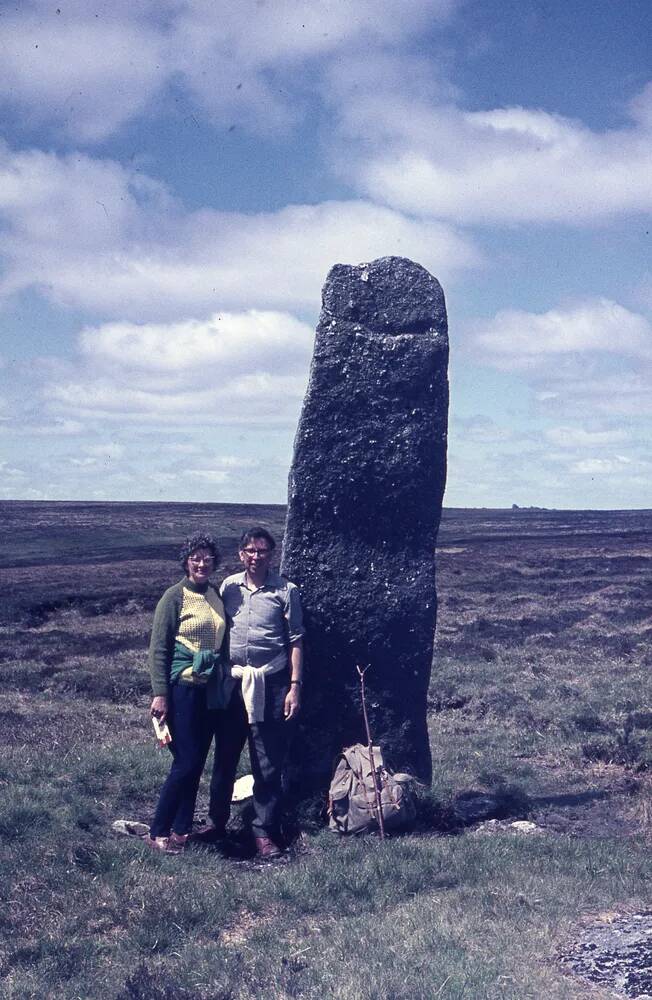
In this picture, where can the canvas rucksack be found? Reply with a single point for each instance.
(352, 804)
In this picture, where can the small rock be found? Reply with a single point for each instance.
(524, 826)
(129, 828)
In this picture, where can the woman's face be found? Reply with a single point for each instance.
(201, 564)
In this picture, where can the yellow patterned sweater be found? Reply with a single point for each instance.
(190, 615)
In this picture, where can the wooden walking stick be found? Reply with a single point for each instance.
(379, 806)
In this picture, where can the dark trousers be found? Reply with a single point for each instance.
(267, 747)
(192, 726)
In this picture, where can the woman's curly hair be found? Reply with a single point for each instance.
(194, 542)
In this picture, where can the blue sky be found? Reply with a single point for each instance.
(177, 177)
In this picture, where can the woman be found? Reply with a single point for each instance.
(185, 667)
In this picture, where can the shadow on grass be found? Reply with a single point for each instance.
(435, 814)
(470, 807)
(570, 798)
(142, 984)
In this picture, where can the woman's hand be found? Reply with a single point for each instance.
(159, 707)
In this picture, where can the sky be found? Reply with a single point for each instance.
(177, 177)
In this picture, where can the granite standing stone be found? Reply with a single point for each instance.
(365, 495)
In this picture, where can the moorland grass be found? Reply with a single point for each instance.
(472, 915)
(469, 916)
(515, 711)
(540, 696)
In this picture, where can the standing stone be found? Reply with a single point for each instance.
(365, 494)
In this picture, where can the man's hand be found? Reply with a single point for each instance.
(292, 702)
(159, 708)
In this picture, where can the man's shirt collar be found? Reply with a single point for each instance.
(271, 580)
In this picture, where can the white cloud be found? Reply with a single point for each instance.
(52, 427)
(601, 466)
(625, 394)
(526, 471)
(108, 451)
(234, 461)
(578, 437)
(479, 428)
(366, 93)
(242, 61)
(586, 364)
(515, 340)
(406, 142)
(183, 448)
(229, 341)
(641, 107)
(70, 214)
(261, 398)
(503, 165)
(93, 235)
(209, 475)
(182, 356)
(229, 469)
(8, 471)
(230, 370)
(247, 368)
(57, 427)
(88, 70)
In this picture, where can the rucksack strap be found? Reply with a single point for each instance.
(359, 759)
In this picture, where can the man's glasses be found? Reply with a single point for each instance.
(257, 552)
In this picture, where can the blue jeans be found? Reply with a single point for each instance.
(192, 726)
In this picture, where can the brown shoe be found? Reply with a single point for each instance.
(177, 842)
(161, 844)
(208, 834)
(266, 848)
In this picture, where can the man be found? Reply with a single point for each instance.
(263, 611)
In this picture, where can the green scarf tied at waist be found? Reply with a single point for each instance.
(205, 667)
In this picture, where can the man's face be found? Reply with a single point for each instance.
(256, 556)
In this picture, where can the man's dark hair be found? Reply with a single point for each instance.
(194, 542)
(257, 532)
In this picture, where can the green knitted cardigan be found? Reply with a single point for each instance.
(165, 629)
